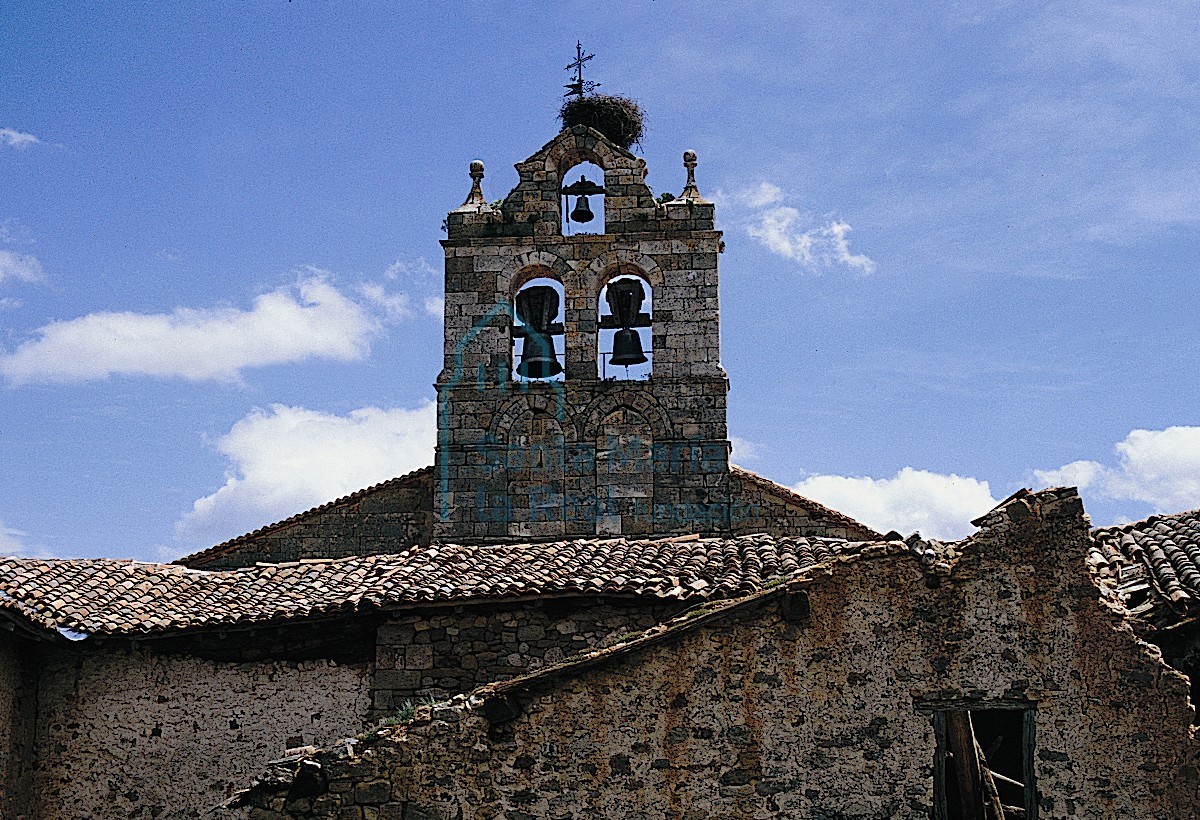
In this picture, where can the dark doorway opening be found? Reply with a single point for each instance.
(983, 766)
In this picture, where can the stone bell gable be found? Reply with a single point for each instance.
(586, 454)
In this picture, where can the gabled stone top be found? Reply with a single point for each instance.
(532, 208)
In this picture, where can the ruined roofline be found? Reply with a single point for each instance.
(1151, 568)
(226, 547)
(500, 702)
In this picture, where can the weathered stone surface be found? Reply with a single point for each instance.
(746, 714)
(18, 712)
(130, 734)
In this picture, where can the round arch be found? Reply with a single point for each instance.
(636, 399)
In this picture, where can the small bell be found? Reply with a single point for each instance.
(627, 348)
(581, 212)
(537, 356)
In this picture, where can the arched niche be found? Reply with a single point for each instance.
(524, 343)
(535, 469)
(586, 180)
(624, 474)
(639, 336)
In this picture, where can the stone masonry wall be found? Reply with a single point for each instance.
(138, 734)
(442, 654)
(759, 505)
(482, 413)
(386, 518)
(814, 700)
(17, 715)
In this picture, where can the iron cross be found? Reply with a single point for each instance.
(580, 86)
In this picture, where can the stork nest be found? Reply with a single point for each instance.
(620, 119)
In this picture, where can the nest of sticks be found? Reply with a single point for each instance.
(618, 118)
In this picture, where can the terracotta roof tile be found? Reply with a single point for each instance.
(108, 597)
(1151, 567)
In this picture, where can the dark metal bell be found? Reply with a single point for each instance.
(537, 356)
(627, 348)
(581, 212)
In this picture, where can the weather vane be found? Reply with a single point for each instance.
(580, 86)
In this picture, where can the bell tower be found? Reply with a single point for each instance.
(582, 392)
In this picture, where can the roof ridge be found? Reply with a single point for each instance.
(786, 493)
(225, 547)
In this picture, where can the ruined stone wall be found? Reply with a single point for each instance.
(823, 713)
(18, 709)
(139, 734)
(425, 655)
(390, 517)
(758, 505)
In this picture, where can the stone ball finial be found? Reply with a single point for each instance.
(476, 168)
(689, 157)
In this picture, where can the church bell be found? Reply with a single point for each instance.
(627, 348)
(536, 308)
(581, 211)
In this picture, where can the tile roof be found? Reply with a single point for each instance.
(107, 597)
(1151, 567)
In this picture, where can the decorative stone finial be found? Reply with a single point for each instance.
(690, 191)
(476, 195)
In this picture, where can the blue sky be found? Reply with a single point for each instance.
(961, 245)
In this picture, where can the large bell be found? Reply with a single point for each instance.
(581, 212)
(627, 348)
(537, 356)
(536, 308)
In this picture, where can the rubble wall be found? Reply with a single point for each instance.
(807, 703)
(444, 653)
(757, 504)
(139, 734)
(18, 710)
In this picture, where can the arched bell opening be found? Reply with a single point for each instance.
(624, 344)
(582, 194)
(538, 345)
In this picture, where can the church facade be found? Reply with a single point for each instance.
(581, 551)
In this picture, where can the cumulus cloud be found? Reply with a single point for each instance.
(16, 543)
(288, 459)
(935, 504)
(1157, 467)
(19, 266)
(793, 234)
(17, 139)
(290, 324)
(743, 449)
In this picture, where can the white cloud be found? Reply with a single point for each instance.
(288, 459)
(743, 448)
(17, 139)
(312, 320)
(417, 270)
(16, 543)
(937, 505)
(395, 306)
(791, 233)
(1158, 467)
(435, 306)
(20, 266)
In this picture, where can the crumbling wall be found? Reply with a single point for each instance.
(18, 711)
(812, 700)
(139, 734)
(389, 517)
(444, 653)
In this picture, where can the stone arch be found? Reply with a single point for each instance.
(525, 406)
(632, 397)
(535, 467)
(617, 262)
(568, 152)
(524, 267)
